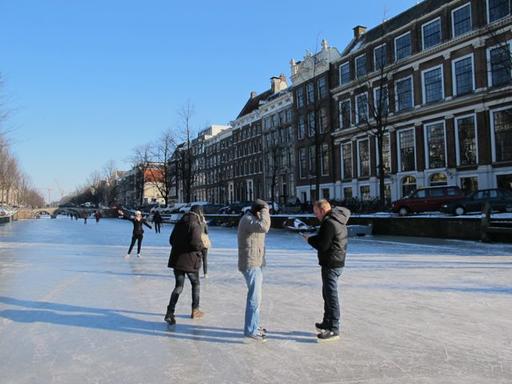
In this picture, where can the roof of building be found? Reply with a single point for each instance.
(254, 102)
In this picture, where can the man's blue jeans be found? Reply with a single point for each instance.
(330, 294)
(254, 281)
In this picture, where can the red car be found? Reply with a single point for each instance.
(427, 199)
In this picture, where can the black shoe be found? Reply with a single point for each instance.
(327, 335)
(169, 317)
(321, 326)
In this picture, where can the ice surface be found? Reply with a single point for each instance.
(72, 310)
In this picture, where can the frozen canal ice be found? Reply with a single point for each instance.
(72, 310)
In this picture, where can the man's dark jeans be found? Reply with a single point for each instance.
(180, 282)
(330, 294)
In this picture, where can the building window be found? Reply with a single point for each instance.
(408, 185)
(300, 97)
(361, 69)
(407, 150)
(302, 163)
(403, 47)
(466, 141)
(310, 93)
(500, 65)
(380, 57)
(504, 181)
(386, 154)
(345, 114)
(301, 128)
(347, 193)
(433, 88)
(404, 94)
(346, 156)
(322, 87)
(461, 20)
(324, 121)
(438, 180)
(463, 74)
(363, 151)
(469, 184)
(325, 160)
(312, 160)
(364, 192)
(362, 108)
(431, 33)
(381, 101)
(344, 73)
(311, 124)
(502, 121)
(497, 9)
(435, 142)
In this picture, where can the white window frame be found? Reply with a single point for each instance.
(395, 48)
(322, 159)
(356, 66)
(425, 139)
(413, 129)
(359, 156)
(424, 94)
(454, 77)
(468, 4)
(357, 108)
(457, 142)
(489, 13)
(493, 130)
(423, 32)
(410, 77)
(375, 89)
(377, 151)
(351, 158)
(350, 112)
(301, 176)
(375, 57)
(359, 190)
(341, 66)
(489, 69)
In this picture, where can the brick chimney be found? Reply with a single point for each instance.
(359, 30)
(277, 84)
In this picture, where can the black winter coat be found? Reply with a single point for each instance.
(186, 244)
(137, 225)
(331, 239)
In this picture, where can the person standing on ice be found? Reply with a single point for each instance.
(138, 231)
(331, 244)
(157, 220)
(251, 259)
(186, 254)
(206, 240)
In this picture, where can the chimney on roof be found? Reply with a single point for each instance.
(359, 30)
(277, 84)
(253, 94)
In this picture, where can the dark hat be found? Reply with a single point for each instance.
(197, 209)
(258, 205)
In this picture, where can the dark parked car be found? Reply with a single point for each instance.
(500, 200)
(427, 199)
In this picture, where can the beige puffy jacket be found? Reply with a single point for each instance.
(251, 239)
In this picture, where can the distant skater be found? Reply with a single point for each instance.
(97, 216)
(206, 240)
(138, 231)
(185, 259)
(157, 221)
(84, 215)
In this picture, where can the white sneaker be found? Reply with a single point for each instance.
(139, 255)
(205, 276)
(127, 256)
(259, 338)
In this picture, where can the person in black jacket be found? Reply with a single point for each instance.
(157, 220)
(331, 244)
(185, 259)
(138, 231)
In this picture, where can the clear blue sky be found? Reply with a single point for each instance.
(88, 80)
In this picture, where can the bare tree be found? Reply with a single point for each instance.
(161, 171)
(185, 161)
(141, 160)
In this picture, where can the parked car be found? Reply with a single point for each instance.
(427, 199)
(233, 208)
(500, 200)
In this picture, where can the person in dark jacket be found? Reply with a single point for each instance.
(185, 259)
(199, 211)
(331, 244)
(157, 221)
(138, 231)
